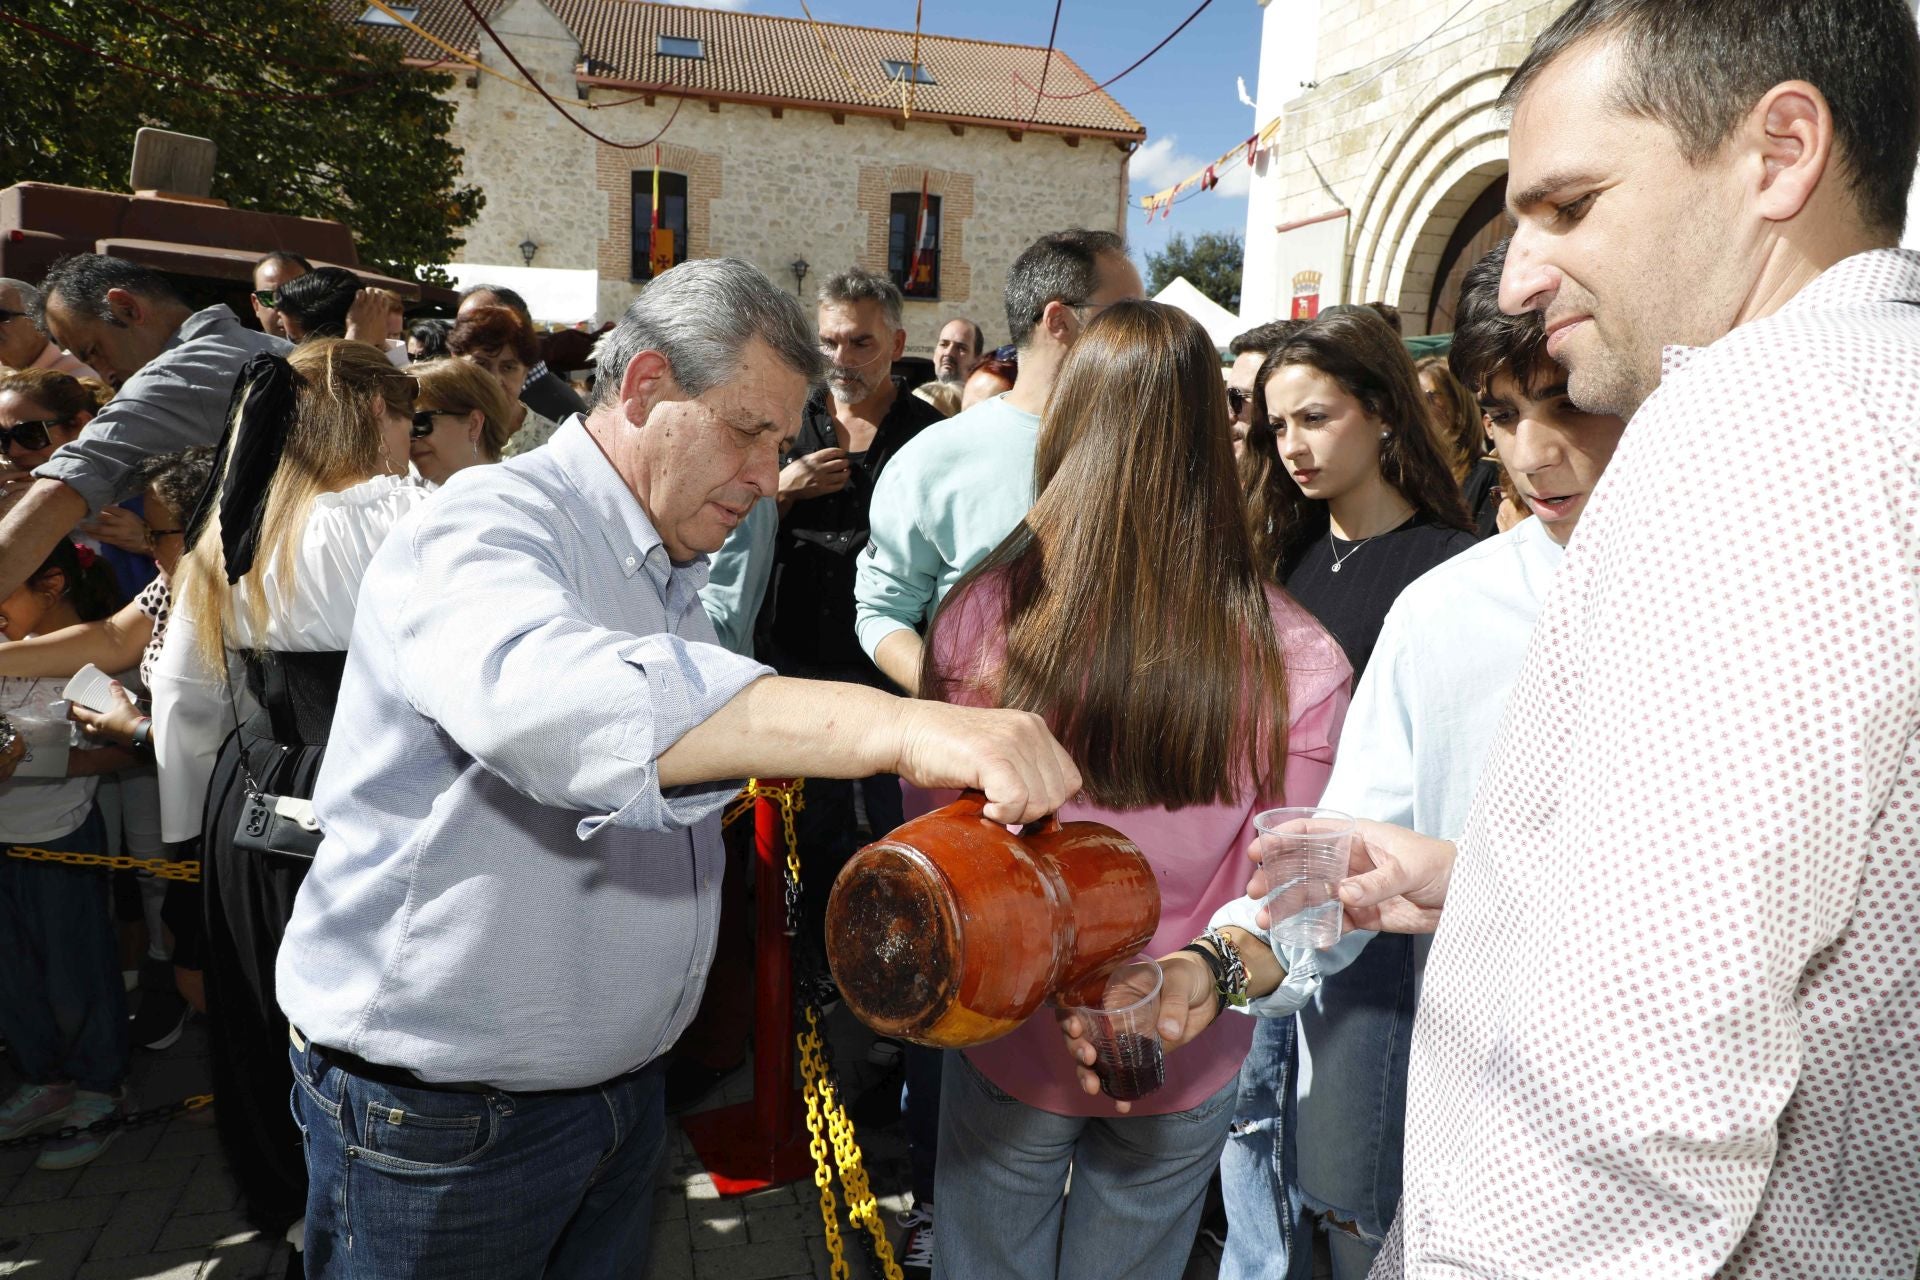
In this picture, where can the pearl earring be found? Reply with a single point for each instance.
(1385, 434)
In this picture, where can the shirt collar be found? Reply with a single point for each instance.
(1878, 275)
(631, 538)
(201, 323)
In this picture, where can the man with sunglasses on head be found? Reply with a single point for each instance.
(22, 346)
(269, 274)
(173, 371)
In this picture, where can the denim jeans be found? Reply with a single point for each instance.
(63, 1007)
(1265, 1235)
(1004, 1206)
(434, 1184)
(1352, 1113)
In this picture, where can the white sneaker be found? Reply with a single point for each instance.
(33, 1107)
(916, 1248)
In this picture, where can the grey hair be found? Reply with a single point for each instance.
(701, 315)
(28, 295)
(856, 284)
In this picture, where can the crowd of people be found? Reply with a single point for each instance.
(442, 668)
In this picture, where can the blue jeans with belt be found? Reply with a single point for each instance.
(437, 1183)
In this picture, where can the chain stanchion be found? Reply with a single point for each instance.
(163, 868)
(131, 1120)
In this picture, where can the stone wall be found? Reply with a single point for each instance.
(1404, 143)
(768, 188)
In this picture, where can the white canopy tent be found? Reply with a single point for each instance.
(554, 296)
(1221, 324)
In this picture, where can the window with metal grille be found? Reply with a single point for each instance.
(903, 233)
(673, 217)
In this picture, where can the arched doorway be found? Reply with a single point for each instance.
(1481, 227)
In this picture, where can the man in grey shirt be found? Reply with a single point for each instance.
(516, 905)
(173, 372)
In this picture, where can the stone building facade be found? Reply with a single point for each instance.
(776, 178)
(1387, 178)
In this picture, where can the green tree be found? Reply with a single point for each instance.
(314, 114)
(1210, 262)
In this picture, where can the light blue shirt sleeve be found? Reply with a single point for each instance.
(738, 575)
(574, 716)
(898, 576)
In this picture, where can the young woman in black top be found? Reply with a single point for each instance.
(1348, 495)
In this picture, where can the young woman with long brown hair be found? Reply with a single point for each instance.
(1130, 610)
(1350, 498)
(311, 477)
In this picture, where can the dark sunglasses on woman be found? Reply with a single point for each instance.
(423, 423)
(29, 435)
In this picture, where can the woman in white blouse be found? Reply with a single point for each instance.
(312, 475)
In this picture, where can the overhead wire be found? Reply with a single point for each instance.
(554, 102)
(1040, 89)
(1229, 157)
(833, 57)
(1046, 64)
(913, 66)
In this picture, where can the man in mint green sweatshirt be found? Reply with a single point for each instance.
(951, 495)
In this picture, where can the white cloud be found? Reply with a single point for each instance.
(1161, 163)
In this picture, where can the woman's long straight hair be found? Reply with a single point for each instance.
(1356, 348)
(333, 441)
(1136, 620)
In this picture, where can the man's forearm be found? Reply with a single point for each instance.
(780, 727)
(898, 656)
(34, 527)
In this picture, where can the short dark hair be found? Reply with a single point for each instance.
(493, 329)
(83, 279)
(506, 297)
(1698, 66)
(1264, 338)
(281, 255)
(1487, 342)
(319, 300)
(979, 334)
(1388, 312)
(1061, 267)
(432, 336)
(179, 478)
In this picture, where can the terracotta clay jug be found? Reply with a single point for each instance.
(953, 930)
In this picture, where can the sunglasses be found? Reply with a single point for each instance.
(1237, 400)
(423, 423)
(29, 435)
(268, 298)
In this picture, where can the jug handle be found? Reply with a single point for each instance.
(974, 803)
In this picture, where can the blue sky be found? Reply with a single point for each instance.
(1186, 94)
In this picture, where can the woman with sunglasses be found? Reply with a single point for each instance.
(460, 419)
(311, 477)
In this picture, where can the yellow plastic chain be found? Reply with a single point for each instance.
(187, 872)
(828, 1125)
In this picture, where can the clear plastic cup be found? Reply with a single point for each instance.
(1304, 853)
(1122, 1020)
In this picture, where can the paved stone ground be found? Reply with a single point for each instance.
(159, 1201)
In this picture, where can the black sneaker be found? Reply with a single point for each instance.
(916, 1247)
(161, 1018)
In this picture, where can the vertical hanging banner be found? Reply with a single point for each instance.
(660, 242)
(920, 270)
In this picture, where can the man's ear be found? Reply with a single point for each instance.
(1060, 322)
(648, 380)
(1787, 143)
(899, 343)
(125, 309)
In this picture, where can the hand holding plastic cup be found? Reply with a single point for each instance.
(1120, 1012)
(1303, 855)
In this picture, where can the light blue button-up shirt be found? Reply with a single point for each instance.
(505, 895)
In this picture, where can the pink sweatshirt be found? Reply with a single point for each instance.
(1199, 854)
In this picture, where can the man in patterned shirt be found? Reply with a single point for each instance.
(1671, 1027)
